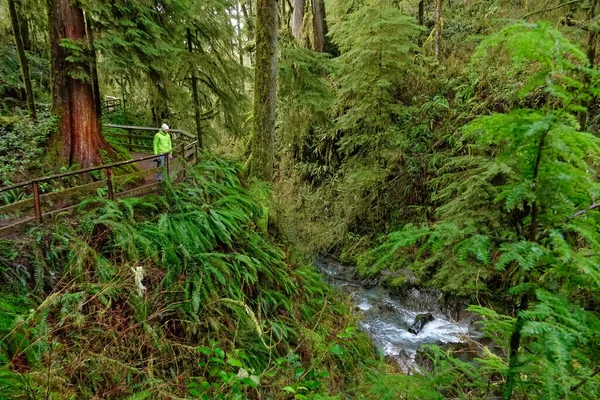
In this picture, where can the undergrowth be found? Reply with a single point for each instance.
(172, 296)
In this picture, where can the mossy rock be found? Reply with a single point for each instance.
(398, 284)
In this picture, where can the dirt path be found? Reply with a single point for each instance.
(145, 164)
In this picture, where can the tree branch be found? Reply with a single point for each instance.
(592, 207)
(584, 380)
(551, 8)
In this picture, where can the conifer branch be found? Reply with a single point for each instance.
(581, 212)
(543, 10)
(584, 380)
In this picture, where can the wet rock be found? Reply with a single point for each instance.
(423, 299)
(424, 360)
(385, 306)
(398, 285)
(420, 321)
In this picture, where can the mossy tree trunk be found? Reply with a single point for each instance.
(438, 28)
(23, 21)
(240, 42)
(298, 18)
(249, 16)
(158, 97)
(265, 79)
(93, 66)
(319, 25)
(16, 26)
(592, 41)
(79, 137)
(195, 92)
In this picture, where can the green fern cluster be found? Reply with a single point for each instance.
(209, 274)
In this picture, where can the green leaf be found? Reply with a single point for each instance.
(337, 350)
(289, 389)
(235, 362)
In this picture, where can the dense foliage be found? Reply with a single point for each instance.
(448, 146)
(221, 311)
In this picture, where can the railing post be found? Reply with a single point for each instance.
(167, 164)
(183, 161)
(195, 153)
(109, 183)
(36, 201)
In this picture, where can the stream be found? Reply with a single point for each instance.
(386, 318)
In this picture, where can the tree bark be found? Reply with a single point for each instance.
(158, 97)
(248, 16)
(319, 25)
(421, 12)
(238, 21)
(93, 67)
(298, 18)
(22, 16)
(79, 137)
(195, 93)
(591, 55)
(438, 29)
(515, 344)
(515, 337)
(14, 19)
(265, 79)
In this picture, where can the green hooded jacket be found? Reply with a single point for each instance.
(162, 143)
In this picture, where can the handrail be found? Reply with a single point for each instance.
(179, 147)
(79, 171)
(148, 128)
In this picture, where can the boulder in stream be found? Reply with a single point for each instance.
(420, 321)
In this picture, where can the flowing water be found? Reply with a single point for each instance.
(386, 318)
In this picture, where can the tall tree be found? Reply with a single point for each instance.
(238, 31)
(592, 41)
(16, 26)
(249, 16)
(79, 138)
(438, 28)
(319, 25)
(24, 25)
(298, 17)
(93, 66)
(265, 80)
(195, 92)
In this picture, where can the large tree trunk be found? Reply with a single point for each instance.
(14, 19)
(421, 12)
(265, 79)
(238, 22)
(298, 18)
(79, 138)
(319, 25)
(22, 16)
(248, 16)
(591, 55)
(158, 98)
(93, 67)
(438, 28)
(195, 92)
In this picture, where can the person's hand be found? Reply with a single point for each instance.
(170, 156)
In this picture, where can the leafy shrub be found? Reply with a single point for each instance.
(22, 144)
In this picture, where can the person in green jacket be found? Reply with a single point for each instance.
(162, 144)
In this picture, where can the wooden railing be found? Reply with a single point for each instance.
(136, 139)
(112, 104)
(184, 152)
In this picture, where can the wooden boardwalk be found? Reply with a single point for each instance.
(33, 202)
